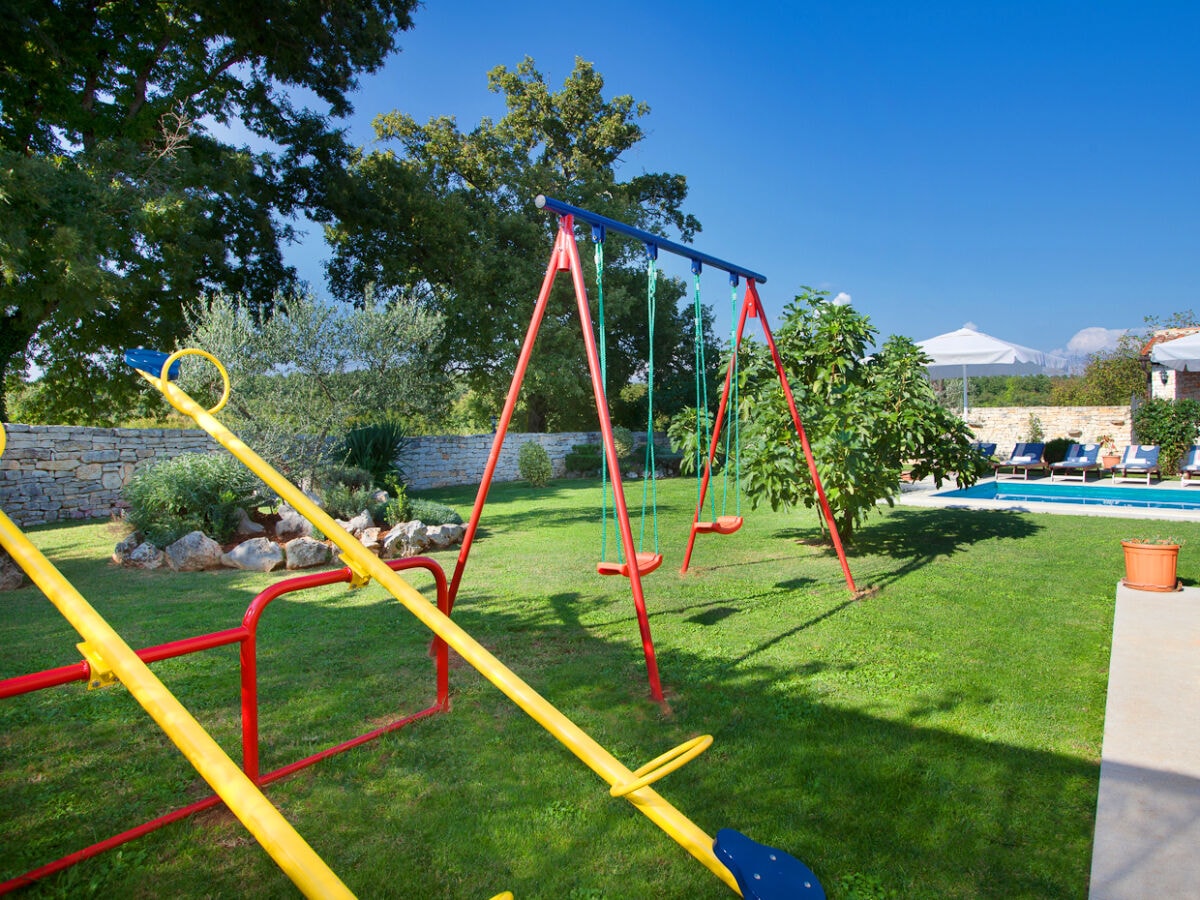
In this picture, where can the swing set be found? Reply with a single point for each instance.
(751, 869)
(633, 560)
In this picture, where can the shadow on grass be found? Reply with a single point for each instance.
(926, 811)
(917, 537)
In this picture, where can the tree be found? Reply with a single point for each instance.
(868, 418)
(119, 200)
(458, 230)
(313, 370)
(1110, 377)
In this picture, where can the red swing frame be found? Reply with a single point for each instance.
(752, 308)
(565, 258)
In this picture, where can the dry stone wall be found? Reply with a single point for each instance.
(444, 460)
(49, 472)
(1007, 425)
(53, 472)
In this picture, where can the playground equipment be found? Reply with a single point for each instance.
(566, 256)
(109, 658)
(246, 637)
(646, 562)
(745, 867)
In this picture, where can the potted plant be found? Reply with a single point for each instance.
(1108, 450)
(1150, 563)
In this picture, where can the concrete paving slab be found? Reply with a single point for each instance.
(1147, 841)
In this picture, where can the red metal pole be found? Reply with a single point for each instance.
(246, 636)
(712, 450)
(752, 291)
(558, 262)
(610, 452)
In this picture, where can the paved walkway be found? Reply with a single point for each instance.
(1148, 815)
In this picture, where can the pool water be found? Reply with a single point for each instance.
(1083, 494)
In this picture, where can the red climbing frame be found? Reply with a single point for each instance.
(565, 258)
(246, 636)
(752, 308)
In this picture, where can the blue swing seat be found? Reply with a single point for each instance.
(764, 873)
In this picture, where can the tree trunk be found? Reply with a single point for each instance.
(13, 341)
(537, 413)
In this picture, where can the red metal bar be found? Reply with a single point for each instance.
(565, 256)
(82, 671)
(246, 636)
(610, 452)
(752, 291)
(712, 450)
(558, 262)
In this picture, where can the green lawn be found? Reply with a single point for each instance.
(939, 738)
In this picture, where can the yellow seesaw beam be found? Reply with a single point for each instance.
(108, 653)
(365, 564)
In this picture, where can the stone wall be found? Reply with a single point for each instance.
(1007, 425)
(52, 472)
(430, 462)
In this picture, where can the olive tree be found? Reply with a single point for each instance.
(314, 369)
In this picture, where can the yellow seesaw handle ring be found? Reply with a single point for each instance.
(195, 351)
(663, 765)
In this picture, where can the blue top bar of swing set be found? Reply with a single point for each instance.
(652, 240)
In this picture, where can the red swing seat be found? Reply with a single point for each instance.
(646, 563)
(722, 525)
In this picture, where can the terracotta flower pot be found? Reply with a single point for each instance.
(1110, 461)
(1150, 567)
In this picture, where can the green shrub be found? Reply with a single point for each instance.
(344, 502)
(684, 436)
(533, 462)
(584, 459)
(432, 513)
(192, 492)
(623, 439)
(396, 509)
(1170, 424)
(353, 477)
(1057, 449)
(376, 447)
(1036, 433)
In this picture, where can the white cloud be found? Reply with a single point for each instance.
(1091, 340)
(971, 325)
(842, 299)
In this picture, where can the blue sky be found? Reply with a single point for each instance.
(1031, 168)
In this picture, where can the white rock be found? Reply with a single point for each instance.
(145, 556)
(194, 552)
(306, 552)
(255, 555)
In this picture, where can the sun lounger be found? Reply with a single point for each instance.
(987, 451)
(1026, 458)
(1081, 459)
(1190, 467)
(1139, 459)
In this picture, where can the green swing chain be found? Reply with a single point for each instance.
(604, 386)
(733, 416)
(649, 473)
(702, 415)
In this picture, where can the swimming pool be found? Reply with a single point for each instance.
(1081, 494)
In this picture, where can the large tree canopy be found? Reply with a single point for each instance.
(119, 201)
(448, 217)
